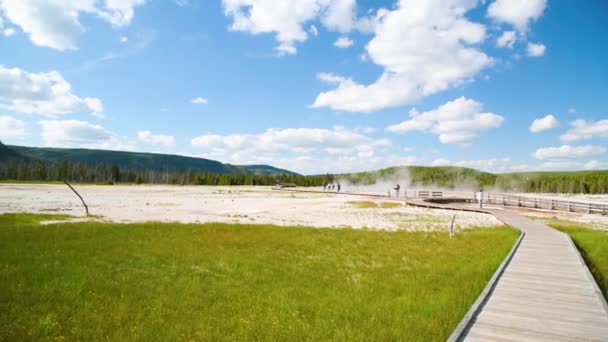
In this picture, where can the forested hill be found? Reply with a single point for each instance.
(137, 161)
(589, 182)
(9, 155)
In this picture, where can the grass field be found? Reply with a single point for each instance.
(152, 281)
(593, 245)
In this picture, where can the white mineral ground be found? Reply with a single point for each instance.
(248, 204)
(260, 205)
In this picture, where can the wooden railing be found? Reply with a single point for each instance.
(546, 203)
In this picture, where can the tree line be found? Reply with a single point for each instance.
(586, 182)
(26, 170)
(580, 182)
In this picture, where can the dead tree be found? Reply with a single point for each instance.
(86, 208)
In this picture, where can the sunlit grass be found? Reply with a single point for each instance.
(371, 205)
(593, 245)
(98, 281)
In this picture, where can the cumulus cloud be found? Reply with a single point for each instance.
(11, 127)
(507, 39)
(569, 165)
(286, 19)
(297, 140)
(44, 93)
(545, 123)
(156, 139)
(535, 49)
(569, 152)
(585, 130)
(199, 100)
(343, 42)
(80, 134)
(56, 24)
(290, 144)
(459, 121)
(423, 46)
(519, 13)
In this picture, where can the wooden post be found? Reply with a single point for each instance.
(86, 208)
(452, 233)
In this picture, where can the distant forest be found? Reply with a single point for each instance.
(25, 170)
(585, 182)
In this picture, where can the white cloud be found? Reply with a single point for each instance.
(313, 30)
(339, 15)
(545, 123)
(507, 39)
(535, 50)
(568, 165)
(8, 32)
(596, 165)
(571, 110)
(124, 39)
(459, 121)
(285, 146)
(441, 162)
(585, 130)
(11, 127)
(423, 46)
(568, 152)
(343, 42)
(80, 134)
(199, 100)
(56, 24)
(286, 19)
(45, 93)
(156, 139)
(296, 140)
(519, 13)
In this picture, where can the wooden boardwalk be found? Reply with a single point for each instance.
(544, 293)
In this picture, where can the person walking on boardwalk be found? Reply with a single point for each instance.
(338, 187)
(397, 188)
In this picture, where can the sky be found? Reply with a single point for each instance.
(314, 86)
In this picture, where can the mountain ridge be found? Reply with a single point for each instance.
(135, 160)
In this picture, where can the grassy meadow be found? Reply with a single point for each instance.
(153, 281)
(593, 245)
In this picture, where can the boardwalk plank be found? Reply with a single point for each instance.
(545, 292)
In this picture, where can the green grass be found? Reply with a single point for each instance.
(152, 281)
(364, 204)
(390, 205)
(371, 205)
(593, 245)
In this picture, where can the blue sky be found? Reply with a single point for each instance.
(312, 85)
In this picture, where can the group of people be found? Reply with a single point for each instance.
(331, 187)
